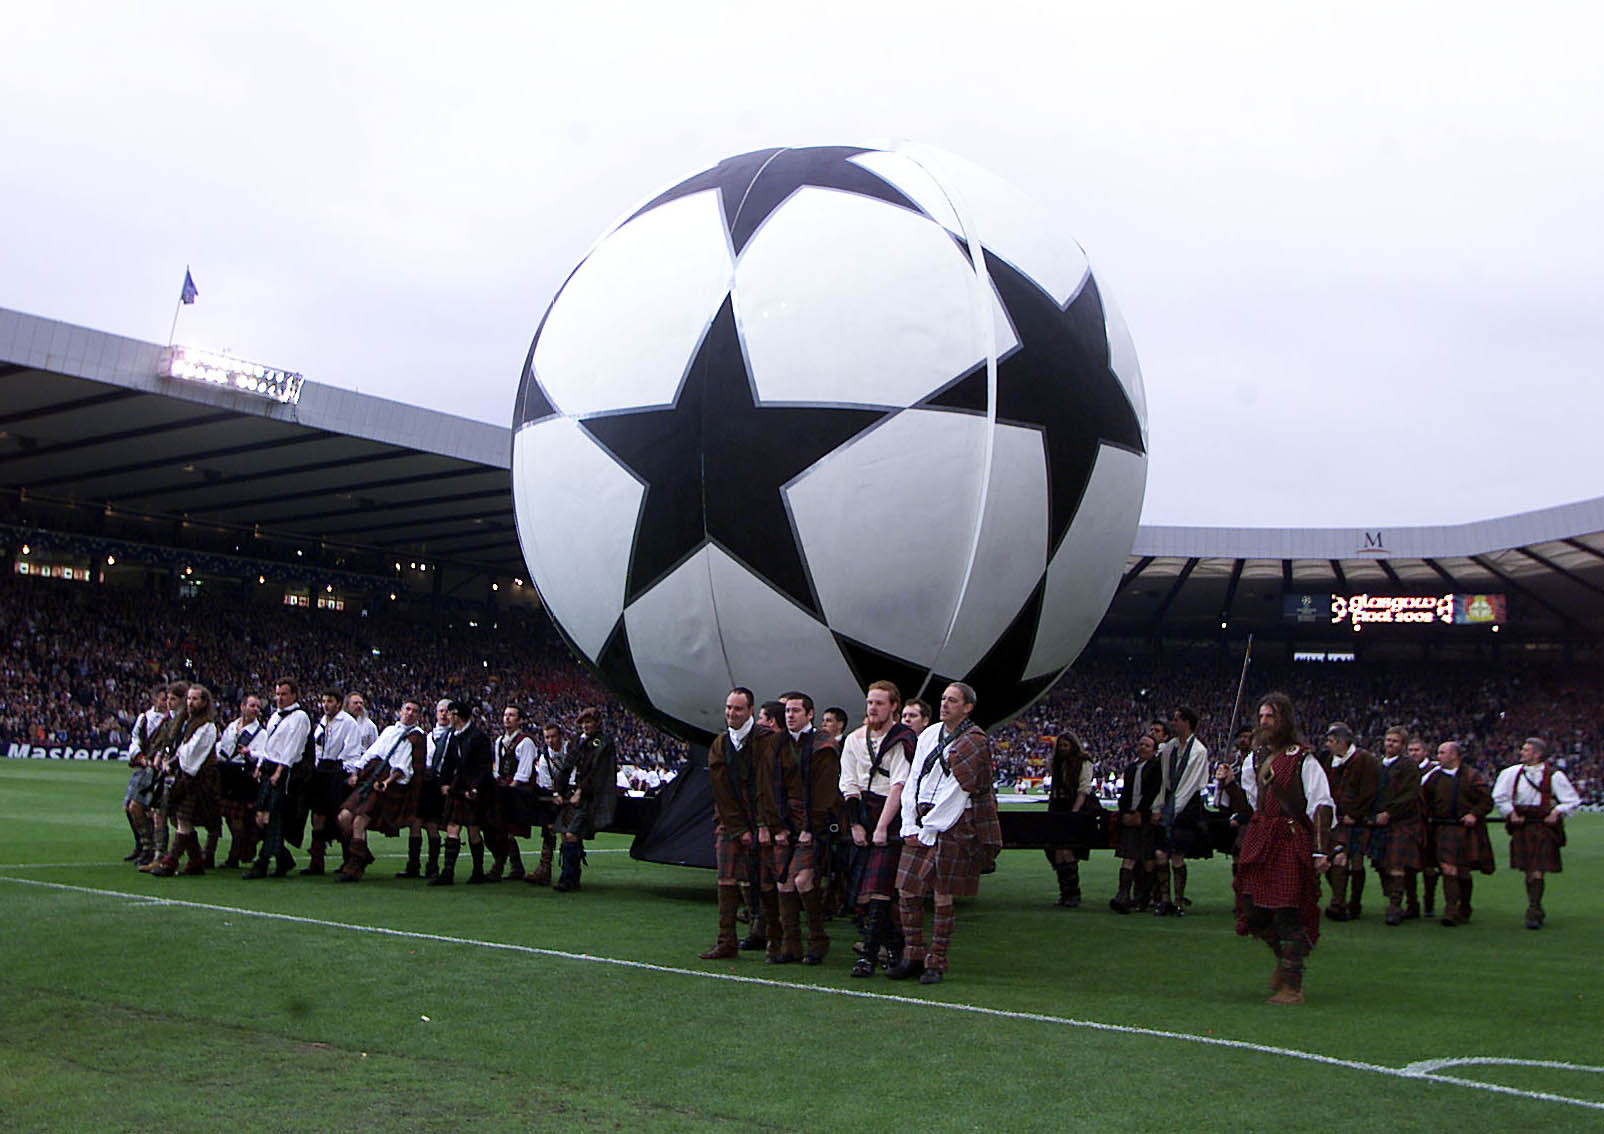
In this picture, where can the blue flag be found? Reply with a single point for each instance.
(190, 290)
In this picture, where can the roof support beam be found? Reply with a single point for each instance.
(164, 462)
(1558, 570)
(1524, 592)
(1580, 546)
(121, 435)
(1386, 569)
(1453, 583)
(1130, 576)
(73, 406)
(361, 486)
(1336, 569)
(1230, 589)
(1175, 589)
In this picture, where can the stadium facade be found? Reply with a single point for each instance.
(113, 470)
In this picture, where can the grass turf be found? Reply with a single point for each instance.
(125, 1012)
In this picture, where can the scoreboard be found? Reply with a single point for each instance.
(1360, 610)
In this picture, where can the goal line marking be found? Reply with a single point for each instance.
(1423, 1071)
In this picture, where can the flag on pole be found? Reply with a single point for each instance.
(190, 291)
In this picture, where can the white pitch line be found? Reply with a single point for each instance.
(1409, 1072)
(1427, 1066)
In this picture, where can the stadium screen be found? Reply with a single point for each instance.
(1361, 610)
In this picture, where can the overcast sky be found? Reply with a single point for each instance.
(1360, 248)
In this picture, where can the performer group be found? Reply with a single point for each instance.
(882, 822)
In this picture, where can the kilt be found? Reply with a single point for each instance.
(949, 867)
(138, 783)
(874, 869)
(392, 810)
(1137, 843)
(431, 804)
(268, 796)
(740, 864)
(156, 797)
(1534, 845)
(360, 800)
(468, 812)
(194, 799)
(1466, 848)
(1188, 835)
(236, 784)
(515, 808)
(1396, 847)
(786, 862)
(1276, 871)
(328, 789)
(1351, 837)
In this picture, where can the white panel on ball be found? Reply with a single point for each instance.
(566, 484)
(1011, 552)
(1010, 224)
(848, 300)
(771, 644)
(1086, 569)
(623, 328)
(674, 637)
(912, 482)
(1122, 357)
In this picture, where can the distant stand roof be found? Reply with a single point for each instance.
(89, 417)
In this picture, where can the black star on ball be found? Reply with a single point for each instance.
(1059, 379)
(714, 463)
(754, 185)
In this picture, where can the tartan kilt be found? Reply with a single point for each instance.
(1396, 847)
(466, 812)
(1534, 845)
(735, 861)
(1188, 835)
(327, 791)
(950, 867)
(1468, 848)
(880, 866)
(515, 807)
(393, 809)
(360, 800)
(194, 799)
(1351, 837)
(431, 804)
(1276, 871)
(792, 859)
(1137, 843)
(235, 811)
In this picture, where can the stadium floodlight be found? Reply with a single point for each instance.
(194, 365)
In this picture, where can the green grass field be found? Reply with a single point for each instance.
(129, 1001)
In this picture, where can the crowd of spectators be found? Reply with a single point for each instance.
(79, 662)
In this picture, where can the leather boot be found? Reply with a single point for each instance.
(790, 929)
(725, 947)
(818, 939)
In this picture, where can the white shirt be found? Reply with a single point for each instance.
(237, 739)
(1316, 788)
(437, 747)
(1194, 771)
(391, 747)
(1520, 786)
(338, 739)
(939, 789)
(285, 737)
(526, 754)
(192, 753)
(154, 719)
(546, 767)
(856, 766)
(367, 732)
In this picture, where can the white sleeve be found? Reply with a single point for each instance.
(1566, 799)
(229, 741)
(910, 805)
(852, 752)
(949, 805)
(292, 745)
(1085, 785)
(526, 761)
(1249, 779)
(1316, 787)
(1192, 776)
(1504, 790)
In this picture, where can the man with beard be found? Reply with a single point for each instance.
(193, 795)
(468, 784)
(356, 707)
(1534, 797)
(1457, 802)
(1285, 848)
(234, 778)
(431, 805)
(941, 855)
(285, 743)
(1395, 822)
(732, 761)
(874, 768)
(1178, 810)
(587, 793)
(1355, 776)
(386, 790)
(1135, 849)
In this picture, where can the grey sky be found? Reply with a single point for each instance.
(1359, 249)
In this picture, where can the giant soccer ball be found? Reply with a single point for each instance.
(824, 415)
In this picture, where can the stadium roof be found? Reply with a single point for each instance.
(91, 418)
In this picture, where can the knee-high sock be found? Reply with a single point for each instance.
(1338, 877)
(1294, 944)
(769, 903)
(1452, 898)
(514, 855)
(1179, 872)
(1356, 881)
(448, 863)
(790, 923)
(1467, 884)
(434, 850)
(1161, 884)
(477, 850)
(414, 852)
(940, 937)
(1411, 889)
(1127, 875)
(813, 903)
(163, 839)
(728, 898)
(1534, 893)
(911, 913)
(1428, 884)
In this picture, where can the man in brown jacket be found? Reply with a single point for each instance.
(1395, 826)
(732, 761)
(1355, 775)
(1457, 802)
(799, 797)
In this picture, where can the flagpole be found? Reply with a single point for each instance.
(177, 307)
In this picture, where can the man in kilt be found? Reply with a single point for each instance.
(732, 761)
(1456, 803)
(1072, 793)
(549, 764)
(941, 852)
(1355, 777)
(799, 794)
(237, 788)
(285, 745)
(1285, 847)
(874, 767)
(468, 783)
(516, 753)
(1395, 826)
(587, 791)
(431, 805)
(142, 780)
(1136, 836)
(1423, 756)
(1534, 797)
(385, 795)
(337, 742)
(160, 755)
(1178, 811)
(192, 796)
